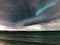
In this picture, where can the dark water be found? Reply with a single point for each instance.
(31, 37)
(5, 42)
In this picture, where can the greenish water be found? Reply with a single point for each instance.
(6, 42)
(31, 37)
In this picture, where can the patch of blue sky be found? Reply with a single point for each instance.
(49, 4)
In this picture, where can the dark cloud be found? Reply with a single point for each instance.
(16, 11)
